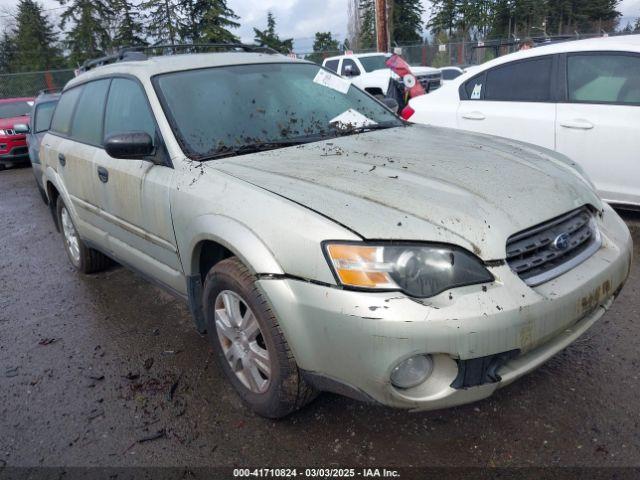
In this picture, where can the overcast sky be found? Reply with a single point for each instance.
(299, 19)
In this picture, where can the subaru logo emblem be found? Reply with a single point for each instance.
(561, 242)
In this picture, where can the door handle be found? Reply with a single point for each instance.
(103, 174)
(474, 116)
(62, 159)
(577, 124)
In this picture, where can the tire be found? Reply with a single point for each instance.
(43, 194)
(83, 258)
(285, 390)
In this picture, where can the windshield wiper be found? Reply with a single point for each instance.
(364, 128)
(259, 147)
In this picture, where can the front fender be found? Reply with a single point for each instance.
(233, 235)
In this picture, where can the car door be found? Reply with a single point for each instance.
(133, 194)
(598, 121)
(40, 124)
(71, 147)
(513, 100)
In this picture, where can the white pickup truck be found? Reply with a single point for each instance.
(369, 72)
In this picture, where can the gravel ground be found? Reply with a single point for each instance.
(107, 370)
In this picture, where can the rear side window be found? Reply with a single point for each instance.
(127, 109)
(61, 122)
(603, 78)
(347, 62)
(42, 118)
(332, 65)
(87, 121)
(528, 81)
(474, 87)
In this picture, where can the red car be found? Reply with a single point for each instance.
(13, 147)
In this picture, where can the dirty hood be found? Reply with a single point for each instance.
(422, 183)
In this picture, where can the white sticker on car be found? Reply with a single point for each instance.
(351, 119)
(477, 91)
(334, 82)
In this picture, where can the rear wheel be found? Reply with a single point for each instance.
(83, 258)
(248, 343)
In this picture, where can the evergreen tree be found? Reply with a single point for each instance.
(164, 22)
(323, 44)
(269, 37)
(444, 15)
(129, 29)
(367, 37)
(7, 52)
(88, 36)
(407, 22)
(33, 40)
(209, 21)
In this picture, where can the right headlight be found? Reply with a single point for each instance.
(418, 270)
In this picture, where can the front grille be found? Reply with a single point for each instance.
(19, 150)
(548, 250)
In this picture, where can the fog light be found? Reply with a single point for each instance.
(412, 371)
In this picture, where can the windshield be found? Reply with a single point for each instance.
(374, 62)
(15, 109)
(229, 109)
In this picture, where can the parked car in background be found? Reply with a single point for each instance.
(13, 146)
(450, 73)
(39, 123)
(320, 241)
(369, 72)
(580, 98)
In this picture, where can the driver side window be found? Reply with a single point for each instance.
(604, 78)
(127, 109)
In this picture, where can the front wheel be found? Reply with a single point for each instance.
(83, 258)
(248, 343)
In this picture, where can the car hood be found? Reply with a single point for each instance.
(10, 122)
(422, 183)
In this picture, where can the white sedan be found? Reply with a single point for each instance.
(579, 98)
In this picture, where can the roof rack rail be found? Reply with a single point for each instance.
(143, 52)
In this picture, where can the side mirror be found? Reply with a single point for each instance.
(391, 104)
(21, 128)
(133, 145)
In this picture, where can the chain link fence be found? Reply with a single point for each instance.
(454, 53)
(435, 55)
(30, 83)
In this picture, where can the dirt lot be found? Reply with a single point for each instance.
(92, 365)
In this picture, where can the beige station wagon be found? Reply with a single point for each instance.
(323, 243)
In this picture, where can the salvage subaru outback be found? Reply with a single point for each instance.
(323, 243)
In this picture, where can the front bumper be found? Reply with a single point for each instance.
(15, 156)
(354, 339)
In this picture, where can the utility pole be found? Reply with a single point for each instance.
(382, 32)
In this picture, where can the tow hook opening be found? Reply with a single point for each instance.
(481, 370)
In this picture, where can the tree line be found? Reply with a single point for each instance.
(88, 29)
(470, 20)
